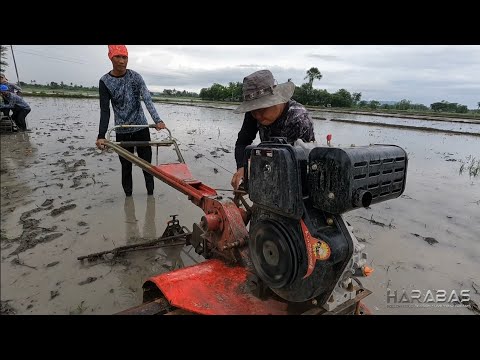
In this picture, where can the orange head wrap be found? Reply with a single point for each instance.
(115, 50)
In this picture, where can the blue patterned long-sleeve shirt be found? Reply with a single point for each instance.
(125, 93)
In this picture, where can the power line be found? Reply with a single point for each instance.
(62, 50)
(58, 52)
(51, 57)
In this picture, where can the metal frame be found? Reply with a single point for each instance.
(129, 156)
(7, 124)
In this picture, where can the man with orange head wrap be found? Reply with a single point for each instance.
(125, 89)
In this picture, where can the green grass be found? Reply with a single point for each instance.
(471, 165)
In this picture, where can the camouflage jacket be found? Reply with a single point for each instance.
(294, 123)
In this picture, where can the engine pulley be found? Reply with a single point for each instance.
(273, 253)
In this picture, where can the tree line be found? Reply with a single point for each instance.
(304, 94)
(73, 87)
(3, 57)
(342, 98)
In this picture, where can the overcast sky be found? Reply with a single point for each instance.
(420, 73)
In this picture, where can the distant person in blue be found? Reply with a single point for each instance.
(12, 88)
(20, 109)
(125, 89)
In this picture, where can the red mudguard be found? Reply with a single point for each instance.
(214, 288)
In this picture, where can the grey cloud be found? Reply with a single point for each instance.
(198, 79)
(323, 57)
(421, 73)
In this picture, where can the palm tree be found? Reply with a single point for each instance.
(313, 74)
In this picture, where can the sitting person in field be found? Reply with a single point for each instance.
(18, 106)
(11, 87)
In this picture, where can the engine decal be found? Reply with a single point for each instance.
(316, 249)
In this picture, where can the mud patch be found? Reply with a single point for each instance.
(89, 280)
(428, 239)
(29, 239)
(6, 309)
(47, 202)
(17, 261)
(473, 306)
(32, 232)
(62, 209)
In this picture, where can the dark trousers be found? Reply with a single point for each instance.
(144, 152)
(19, 116)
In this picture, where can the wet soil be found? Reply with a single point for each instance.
(61, 198)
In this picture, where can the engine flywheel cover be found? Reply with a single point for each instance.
(273, 254)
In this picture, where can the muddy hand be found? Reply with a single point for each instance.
(160, 125)
(237, 178)
(100, 143)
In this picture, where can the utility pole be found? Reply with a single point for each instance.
(15, 63)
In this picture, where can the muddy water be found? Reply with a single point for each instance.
(61, 198)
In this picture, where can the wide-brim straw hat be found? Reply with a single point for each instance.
(260, 91)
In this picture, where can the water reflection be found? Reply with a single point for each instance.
(16, 153)
(17, 147)
(149, 230)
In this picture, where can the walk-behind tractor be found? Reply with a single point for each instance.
(280, 245)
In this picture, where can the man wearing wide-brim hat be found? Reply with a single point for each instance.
(270, 111)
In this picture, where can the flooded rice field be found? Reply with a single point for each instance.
(466, 126)
(61, 198)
